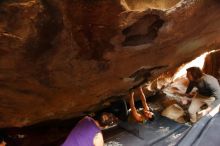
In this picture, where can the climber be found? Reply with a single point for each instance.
(140, 116)
(208, 92)
(87, 132)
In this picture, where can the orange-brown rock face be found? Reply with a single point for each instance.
(212, 64)
(59, 59)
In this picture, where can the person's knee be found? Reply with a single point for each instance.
(191, 111)
(98, 140)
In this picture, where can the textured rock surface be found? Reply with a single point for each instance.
(212, 64)
(59, 59)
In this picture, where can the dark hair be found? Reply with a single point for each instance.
(196, 72)
(107, 119)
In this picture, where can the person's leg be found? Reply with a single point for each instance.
(146, 111)
(194, 108)
(208, 101)
(134, 112)
(143, 100)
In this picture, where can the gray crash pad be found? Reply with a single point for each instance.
(204, 133)
(162, 131)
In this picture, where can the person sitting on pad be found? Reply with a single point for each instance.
(87, 131)
(208, 92)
